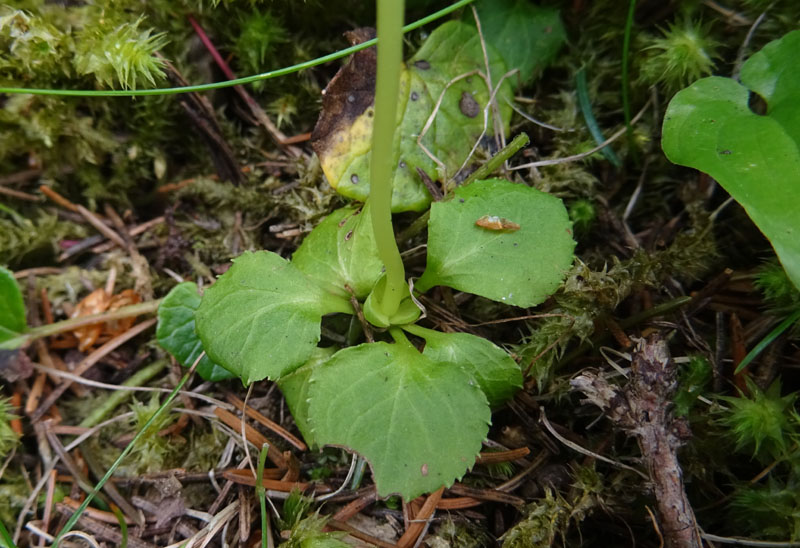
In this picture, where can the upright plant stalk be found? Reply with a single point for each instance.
(626, 47)
(387, 88)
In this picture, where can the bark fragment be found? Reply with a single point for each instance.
(643, 408)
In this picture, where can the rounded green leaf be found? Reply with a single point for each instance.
(342, 142)
(519, 265)
(709, 126)
(497, 374)
(175, 331)
(261, 318)
(341, 251)
(295, 387)
(418, 422)
(12, 308)
(526, 35)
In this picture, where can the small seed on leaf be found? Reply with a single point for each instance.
(493, 222)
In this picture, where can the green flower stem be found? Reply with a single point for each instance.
(626, 47)
(116, 398)
(262, 499)
(239, 81)
(74, 323)
(387, 88)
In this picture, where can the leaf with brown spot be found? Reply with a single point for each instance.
(342, 137)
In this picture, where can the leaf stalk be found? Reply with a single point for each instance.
(387, 88)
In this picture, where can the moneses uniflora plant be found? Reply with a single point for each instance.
(418, 417)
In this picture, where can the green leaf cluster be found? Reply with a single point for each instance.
(262, 319)
(392, 403)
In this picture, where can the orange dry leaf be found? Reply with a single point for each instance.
(99, 301)
(125, 298)
(94, 303)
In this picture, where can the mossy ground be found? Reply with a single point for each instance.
(648, 233)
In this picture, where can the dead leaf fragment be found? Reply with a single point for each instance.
(94, 303)
(347, 96)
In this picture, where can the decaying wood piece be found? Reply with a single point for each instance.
(643, 410)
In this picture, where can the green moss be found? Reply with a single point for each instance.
(544, 521)
(35, 237)
(764, 424)
(681, 54)
(8, 438)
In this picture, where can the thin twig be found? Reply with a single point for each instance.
(614, 137)
(579, 449)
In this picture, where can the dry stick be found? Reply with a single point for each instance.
(642, 409)
(360, 535)
(502, 456)
(491, 104)
(355, 506)
(575, 447)
(19, 177)
(254, 107)
(101, 530)
(275, 427)
(135, 231)
(498, 126)
(492, 495)
(16, 423)
(89, 361)
(19, 194)
(121, 387)
(83, 481)
(432, 117)
(58, 198)
(614, 137)
(38, 271)
(458, 503)
(244, 477)
(139, 264)
(252, 435)
(101, 227)
(415, 528)
(94, 513)
(48, 502)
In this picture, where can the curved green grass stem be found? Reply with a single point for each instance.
(387, 89)
(74, 323)
(766, 341)
(238, 81)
